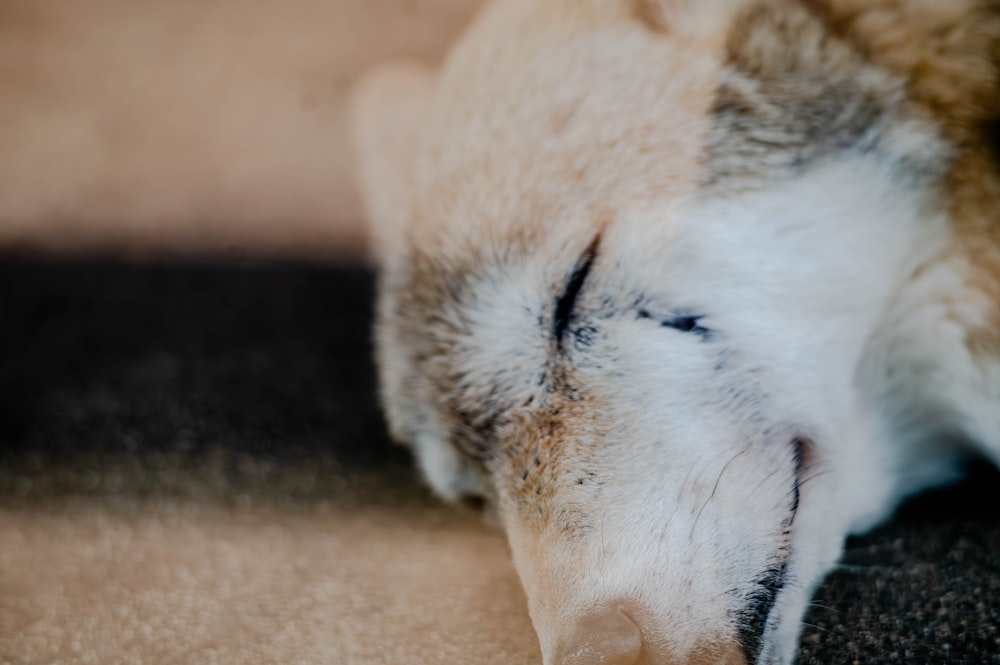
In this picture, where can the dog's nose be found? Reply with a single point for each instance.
(604, 637)
(609, 636)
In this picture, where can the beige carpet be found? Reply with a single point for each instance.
(101, 583)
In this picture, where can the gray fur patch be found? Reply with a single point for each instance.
(794, 93)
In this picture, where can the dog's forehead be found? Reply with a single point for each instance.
(548, 110)
(551, 118)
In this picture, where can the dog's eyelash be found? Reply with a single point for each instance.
(566, 302)
(686, 323)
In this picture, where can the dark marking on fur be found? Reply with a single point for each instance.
(472, 436)
(757, 609)
(584, 336)
(802, 450)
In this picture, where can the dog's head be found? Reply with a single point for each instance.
(632, 253)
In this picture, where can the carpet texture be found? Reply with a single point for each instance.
(193, 469)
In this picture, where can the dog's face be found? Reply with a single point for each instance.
(630, 261)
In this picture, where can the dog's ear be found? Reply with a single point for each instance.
(387, 111)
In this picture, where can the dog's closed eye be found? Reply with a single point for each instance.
(566, 302)
(686, 323)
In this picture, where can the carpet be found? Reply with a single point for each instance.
(193, 469)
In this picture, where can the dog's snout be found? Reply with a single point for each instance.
(610, 636)
(604, 637)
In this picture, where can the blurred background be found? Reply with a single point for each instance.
(193, 465)
(193, 126)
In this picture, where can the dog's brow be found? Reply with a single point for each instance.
(567, 300)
